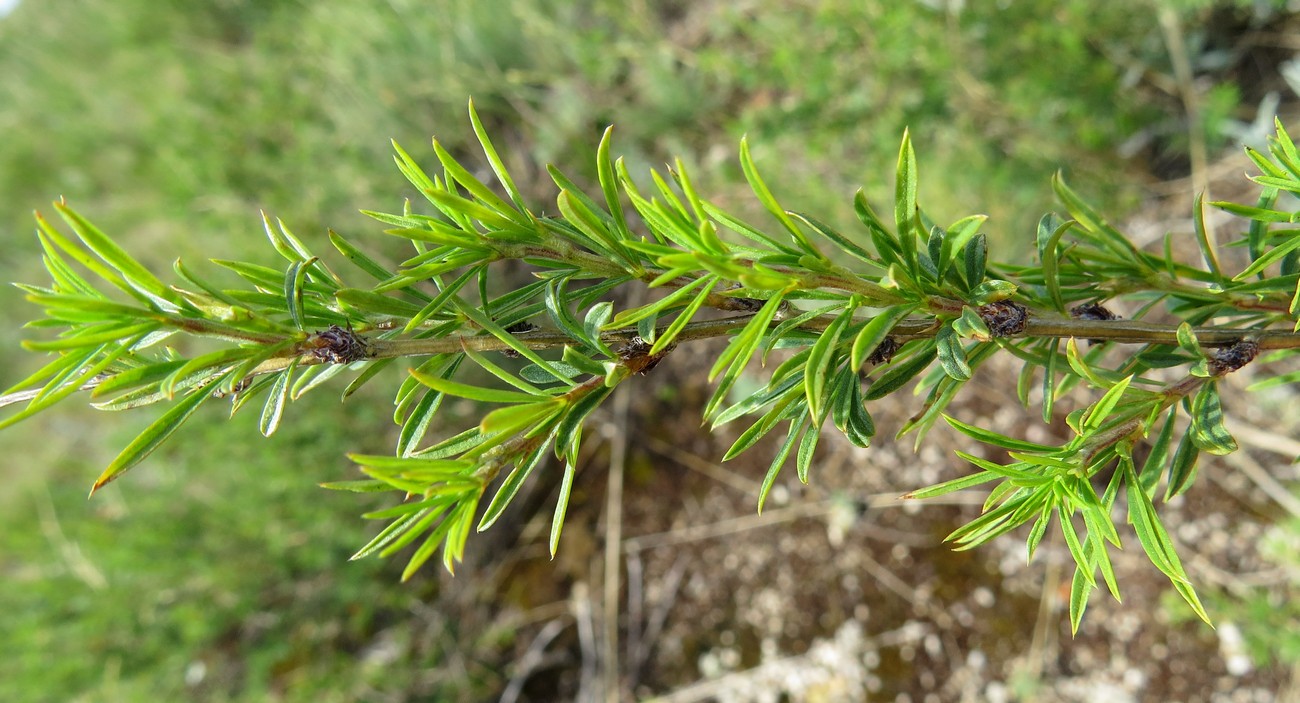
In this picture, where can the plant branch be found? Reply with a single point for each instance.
(1120, 331)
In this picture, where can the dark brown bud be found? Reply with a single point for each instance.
(637, 358)
(1092, 311)
(1004, 318)
(884, 352)
(337, 345)
(517, 328)
(1229, 359)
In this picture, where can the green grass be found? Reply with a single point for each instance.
(170, 124)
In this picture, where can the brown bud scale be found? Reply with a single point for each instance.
(1004, 318)
(337, 345)
(1229, 359)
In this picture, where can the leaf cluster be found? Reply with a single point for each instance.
(841, 317)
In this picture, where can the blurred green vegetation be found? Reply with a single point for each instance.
(171, 123)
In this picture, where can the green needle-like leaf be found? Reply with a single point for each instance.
(820, 358)
(275, 402)
(957, 237)
(952, 355)
(116, 256)
(1158, 546)
(155, 434)
(769, 201)
(510, 486)
(905, 195)
(898, 375)
(561, 506)
(494, 159)
(461, 390)
(875, 331)
(1208, 431)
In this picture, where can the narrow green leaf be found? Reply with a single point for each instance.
(116, 256)
(561, 505)
(557, 309)
(631, 316)
(81, 366)
(417, 422)
(395, 529)
(368, 485)
(596, 320)
(413, 467)
(970, 325)
(1038, 530)
(887, 247)
(513, 419)
(498, 166)
(284, 241)
(976, 261)
(221, 358)
(899, 374)
(1081, 587)
(1208, 431)
(684, 317)
(461, 390)
(859, 428)
(154, 435)
(491, 327)
(141, 375)
(510, 486)
(609, 185)
(1050, 231)
(568, 433)
(444, 295)
(591, 225)
(952, 355)
(844, 243)
(875, 331)
(679, 174)
(436, 537)
(294, 276)
(992, 524)
(1082, 367)
(905, 195)
(1255, 213)
(807, 446)
(738, 353)
(1049, 378)
(1075, 546)
(1102, 408)
(476, 187)
(820, 359)
(956, 238)
(358, 257)
(739, 227)
(1203, 238)
(992, 438)
(1157, 544)
(797, 429)
(370, 303)
(769, 202)
(274, 408)
(956, 484)
(369, 369)
(1154, 466)
(1273, 255)
(1096, 227)
(92, 338)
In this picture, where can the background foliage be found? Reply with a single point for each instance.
(175, 123)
